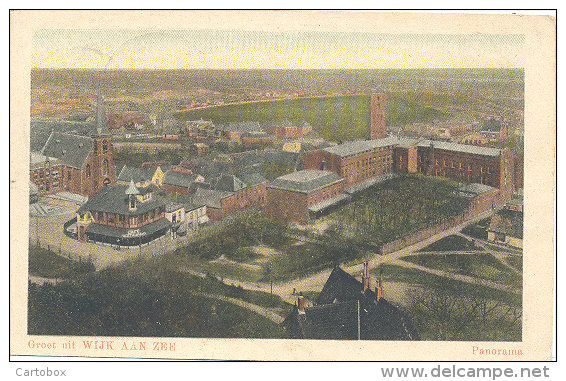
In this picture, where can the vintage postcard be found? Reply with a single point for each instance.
(277, 185)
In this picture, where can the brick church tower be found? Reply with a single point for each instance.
(103, 170)
(378, 102)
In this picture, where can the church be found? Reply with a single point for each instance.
(76, 163)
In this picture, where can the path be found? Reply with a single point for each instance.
(265, 312)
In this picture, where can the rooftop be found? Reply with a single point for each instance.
(305, 181)
(464, 148)
(359, 146)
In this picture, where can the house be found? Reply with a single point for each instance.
(122, 215)
(230, 193)
(300, 196)
(198, 149)
(142, 176)
(506, 226)
(181, 182)
(347, 309)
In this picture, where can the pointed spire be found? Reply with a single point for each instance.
(101, 123)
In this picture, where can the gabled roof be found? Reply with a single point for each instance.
(337, 321)
(113, 199)
(210, 197)
(253, 179)
(344, 312)
(228, 183)
(138, 175)
(341, 287)
(72, 150)
(305, 181)
(178, 179)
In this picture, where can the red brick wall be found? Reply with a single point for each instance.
(286, 206)
(378, 126)
(354, 169)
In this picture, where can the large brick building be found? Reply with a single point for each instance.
(229, 194)
(299, 196)
(358, 161)
(76, 163)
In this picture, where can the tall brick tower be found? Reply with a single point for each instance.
(378, 102)
(103, 170)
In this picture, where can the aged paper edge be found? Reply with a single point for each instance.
(540, 97)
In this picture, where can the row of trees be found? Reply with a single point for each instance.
(398, 207)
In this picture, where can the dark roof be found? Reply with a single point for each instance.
(253, 179)
(338, 321)
(228, 183)
(40, 129)
(210, 197)
(178, 179)
(340, 286)
(72, 150)
(305, 181)
(136, 174)
(112, 231)
(113, 199)
(341, 305)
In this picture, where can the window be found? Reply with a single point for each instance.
(69, 176)
(88, 170)
(105, 168)
(104, 147)
(95, 146)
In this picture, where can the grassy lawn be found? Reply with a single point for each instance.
(484, 266)
(516, 261)
(47, 264)
(398, 207)
(146, 298)
(413, 276)
(335, 118)
(452, 243)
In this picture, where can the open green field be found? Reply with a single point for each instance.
(452, 243)
(480, 265)
(418, 277)
(336, 118)
(398, 207)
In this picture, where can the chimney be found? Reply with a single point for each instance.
(366, 280)
(302, 303)
(379, 289)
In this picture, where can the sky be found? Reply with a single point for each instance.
(221, 49)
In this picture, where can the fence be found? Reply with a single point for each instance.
(57, 249)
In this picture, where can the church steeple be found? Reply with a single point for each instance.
(101, 123)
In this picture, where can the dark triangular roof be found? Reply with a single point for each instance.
(341, 287)
(344, 312)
